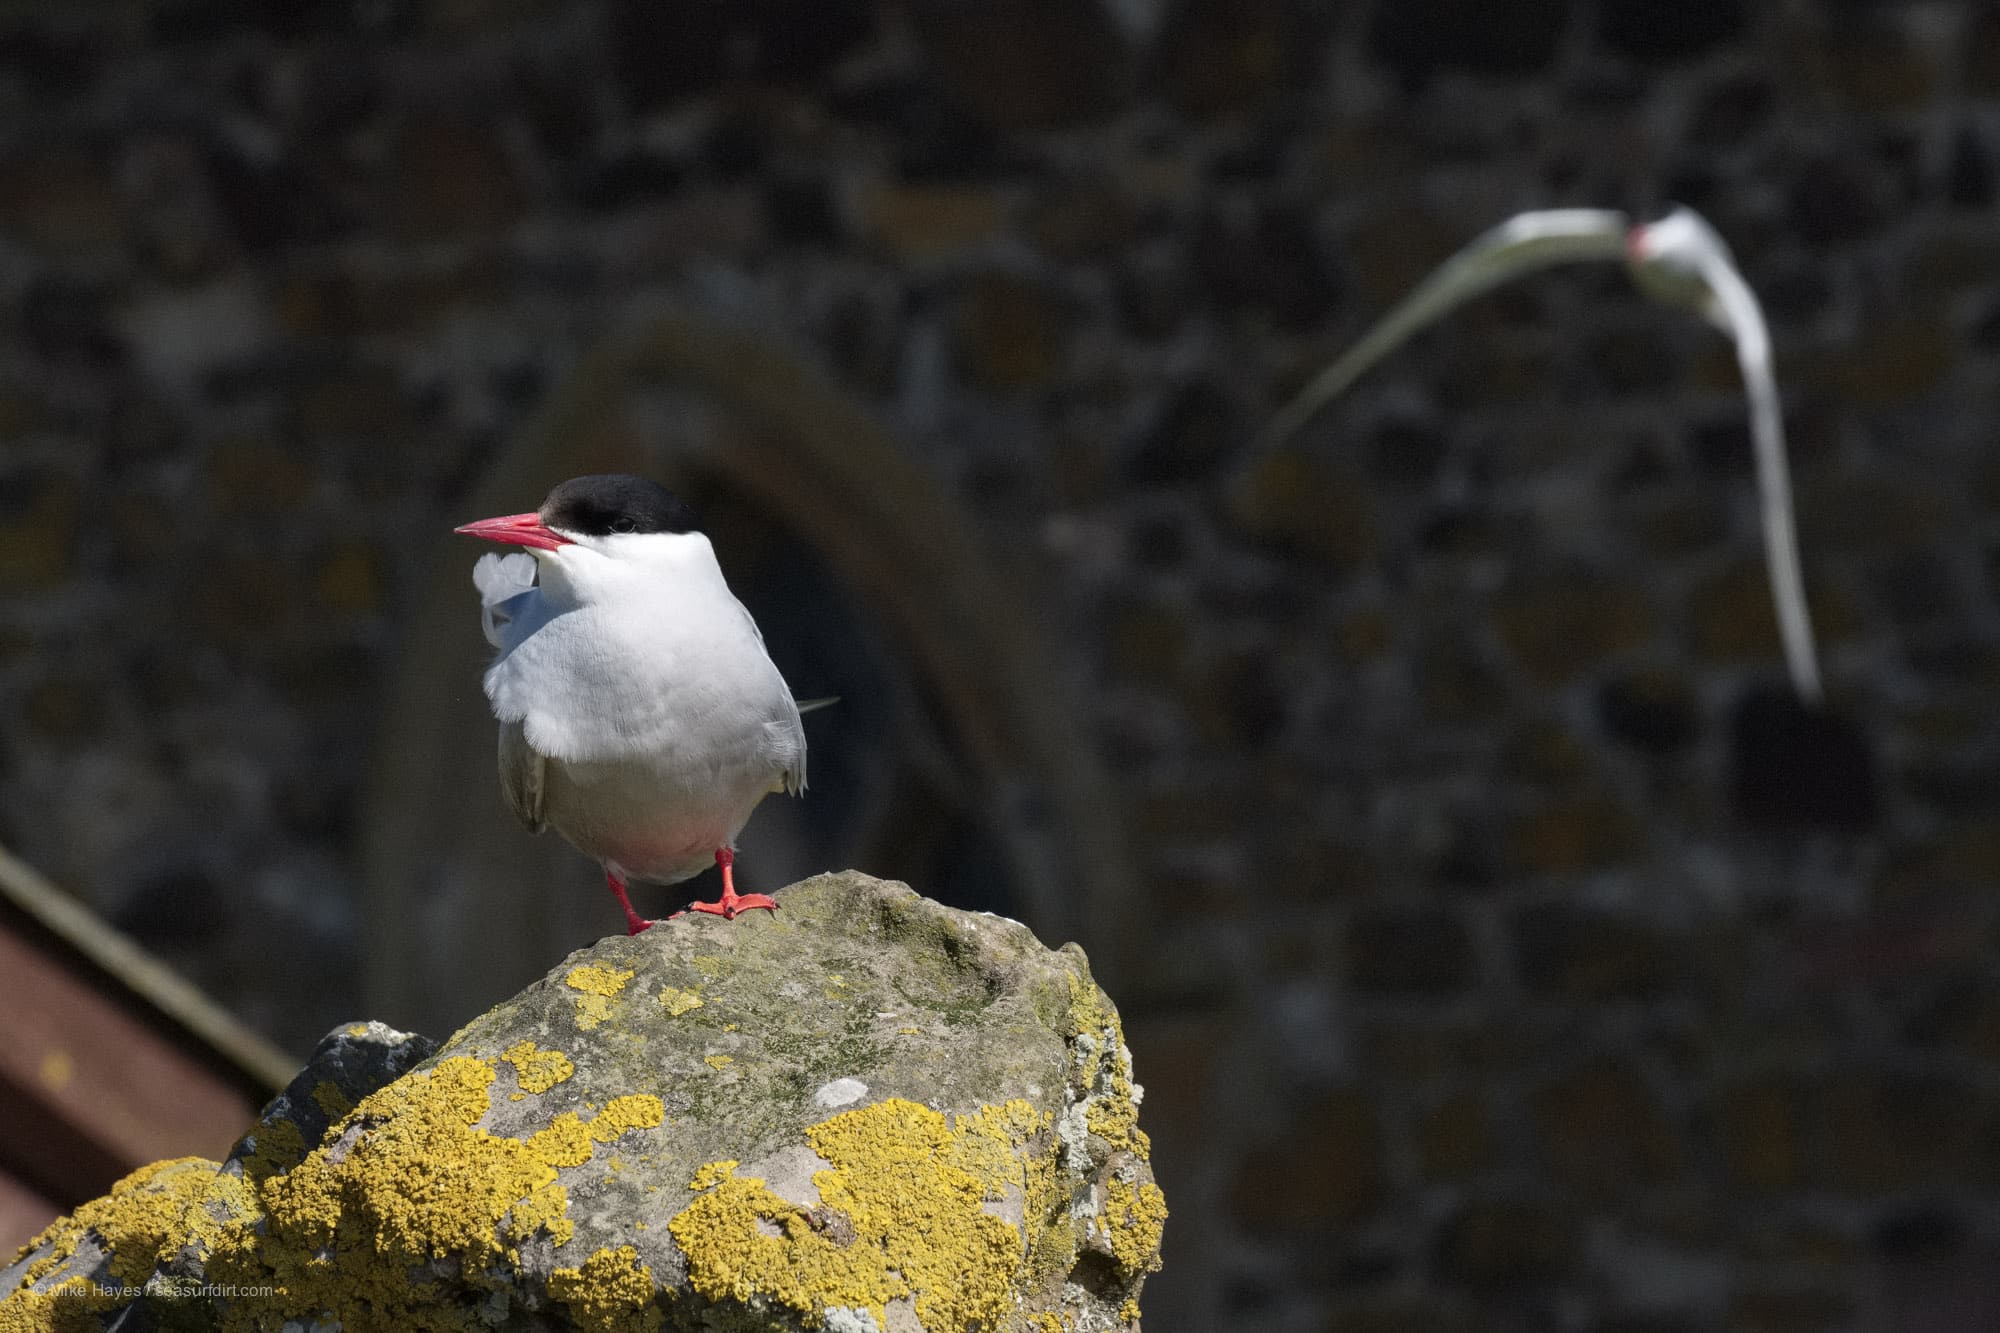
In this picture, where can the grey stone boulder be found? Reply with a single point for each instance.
(865, 1112)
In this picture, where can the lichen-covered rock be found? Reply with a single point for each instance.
(128, 1253)
(867, 1112)
(349, 1063)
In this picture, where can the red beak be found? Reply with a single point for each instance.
(516, 530)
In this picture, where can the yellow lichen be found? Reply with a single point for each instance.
(1110, 1103)
(1129, 1311)
(1115, 1119)
(138, 1223)
(611, 1292)
(595, 980)
(275, 1148)
(1133, 1218)
(418, 1182)
(910, 1183)
(597, 987)
(228, 1203)
(677, 1001)
(564, 1143)
(331, 1101)
(537, 1071)
(730, 1257)
(718, 1062)
(1132, 1215)
(639, 1110)
(708, 1177)
(404, 1183)
(70, 1306)
(544, 1209)
(568, 1141)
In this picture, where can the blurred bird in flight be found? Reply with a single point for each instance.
(1679, 260)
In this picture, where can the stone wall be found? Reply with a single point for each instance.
(1514, 955)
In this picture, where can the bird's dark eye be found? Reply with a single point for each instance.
(623, 525)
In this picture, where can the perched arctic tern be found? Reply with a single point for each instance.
(640, 716)
(1679, 260)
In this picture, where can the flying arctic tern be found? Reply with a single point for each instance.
(640, 715)
(1679, 260)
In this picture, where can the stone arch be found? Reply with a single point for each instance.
(458, 907)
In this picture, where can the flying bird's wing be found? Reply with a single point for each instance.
(506, 583)
(1682, 243)
(1680, 260)
(522, 772)
(1738, 304)
(1519, 245)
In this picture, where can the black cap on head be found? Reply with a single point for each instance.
(599, 506)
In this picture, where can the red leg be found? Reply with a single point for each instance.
(634, 923)
(732, 904)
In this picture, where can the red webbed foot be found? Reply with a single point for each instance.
(732, 904)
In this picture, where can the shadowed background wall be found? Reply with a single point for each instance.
(1502, 948)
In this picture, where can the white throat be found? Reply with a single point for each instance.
(594, 570)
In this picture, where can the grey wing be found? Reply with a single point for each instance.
(787, 732)
(1522, 244)
(523, 775)
(790, 733)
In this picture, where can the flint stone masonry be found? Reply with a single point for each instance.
(643, 1140)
